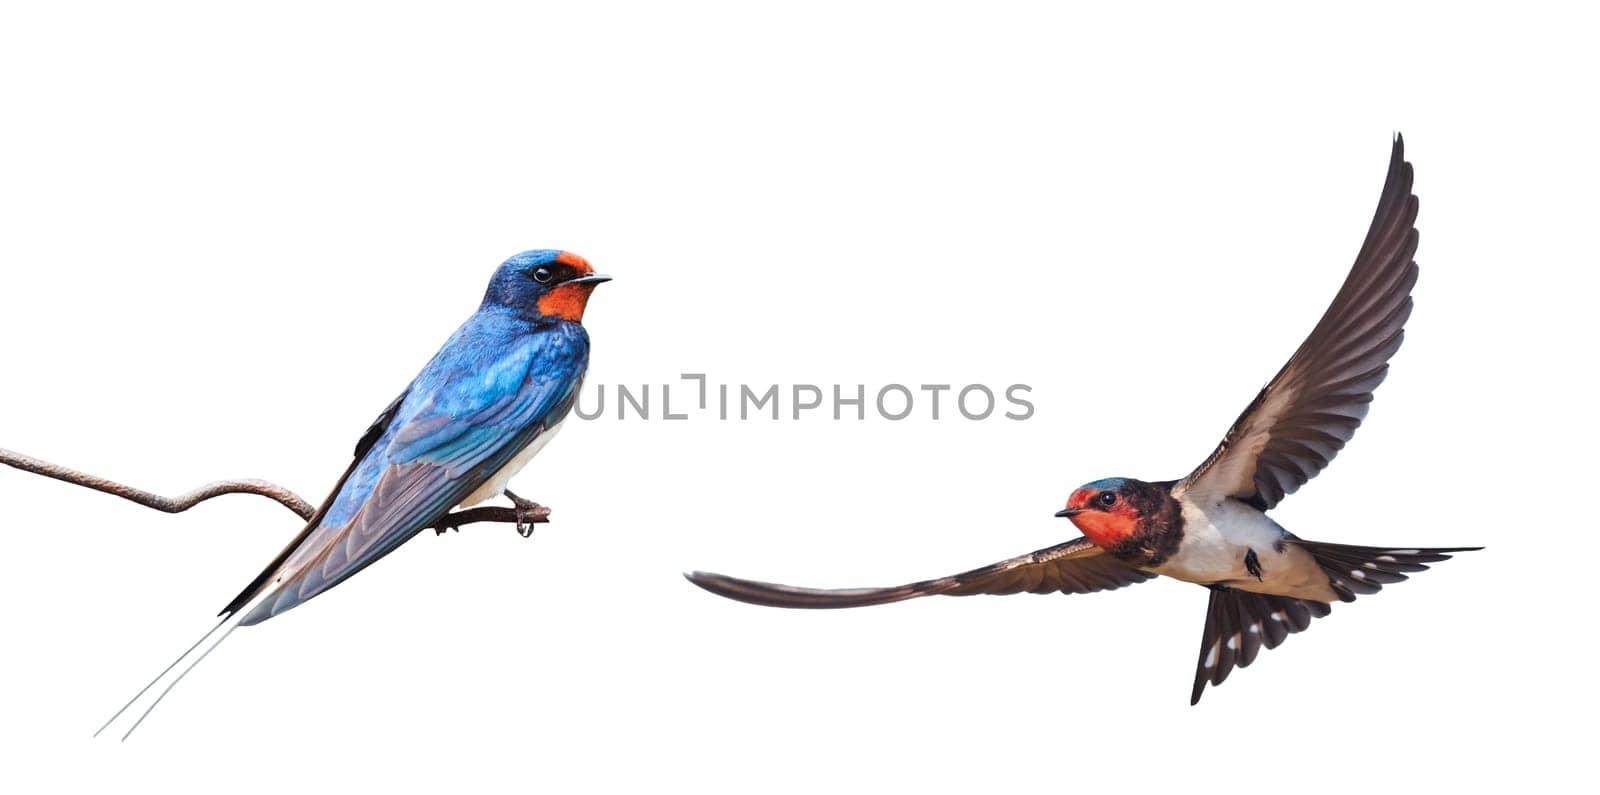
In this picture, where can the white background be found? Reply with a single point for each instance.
(231, 237)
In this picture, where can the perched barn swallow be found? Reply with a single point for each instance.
(489, 400)
(1211, 527)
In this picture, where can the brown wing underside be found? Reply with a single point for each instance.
(1307, 413)
(1077, 566)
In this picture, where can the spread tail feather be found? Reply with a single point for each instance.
(1354, 570)
(1239, 623)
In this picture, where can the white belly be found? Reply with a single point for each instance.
(496, 484)
(1216, 540)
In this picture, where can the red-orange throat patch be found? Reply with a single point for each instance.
(1106, 529)
(566, 301)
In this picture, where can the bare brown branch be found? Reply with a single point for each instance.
(178, 504)
(530, 513)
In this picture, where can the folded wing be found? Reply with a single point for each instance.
(455, 427)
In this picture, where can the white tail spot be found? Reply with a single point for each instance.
(1387, 559)
(1255, 629)
(1233, 642)
(1211, 656)
(1358, 574)
(1277, 615)
(1404, 551)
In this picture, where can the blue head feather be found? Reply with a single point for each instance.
(513, 285)
(1107, 484)
(521, 281)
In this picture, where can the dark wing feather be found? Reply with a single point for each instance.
(1315, 403)
(363, 446)
(1077, 566)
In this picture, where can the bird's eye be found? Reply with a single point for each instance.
(543, 275)
(1107, 499)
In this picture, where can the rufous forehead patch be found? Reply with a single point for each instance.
(578, 263)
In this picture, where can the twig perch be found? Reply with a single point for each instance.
(178, 504)
(529, 513)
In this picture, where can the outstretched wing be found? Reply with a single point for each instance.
(1314, 404)
(463, 419)
(1077, 566)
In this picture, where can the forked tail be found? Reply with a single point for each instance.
(1239, 623)
(1354, 570)
(143, 702)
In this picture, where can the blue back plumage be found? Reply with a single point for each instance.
(478, 390)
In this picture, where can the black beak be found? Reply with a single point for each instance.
(1068, 512)
(593, 278)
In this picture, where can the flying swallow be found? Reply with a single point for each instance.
(486, 403)
(1210, 527)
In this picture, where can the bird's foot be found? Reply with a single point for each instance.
(528, 512)
(439, 531)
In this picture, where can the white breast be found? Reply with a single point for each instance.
(496, 485)
(1216, 539)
